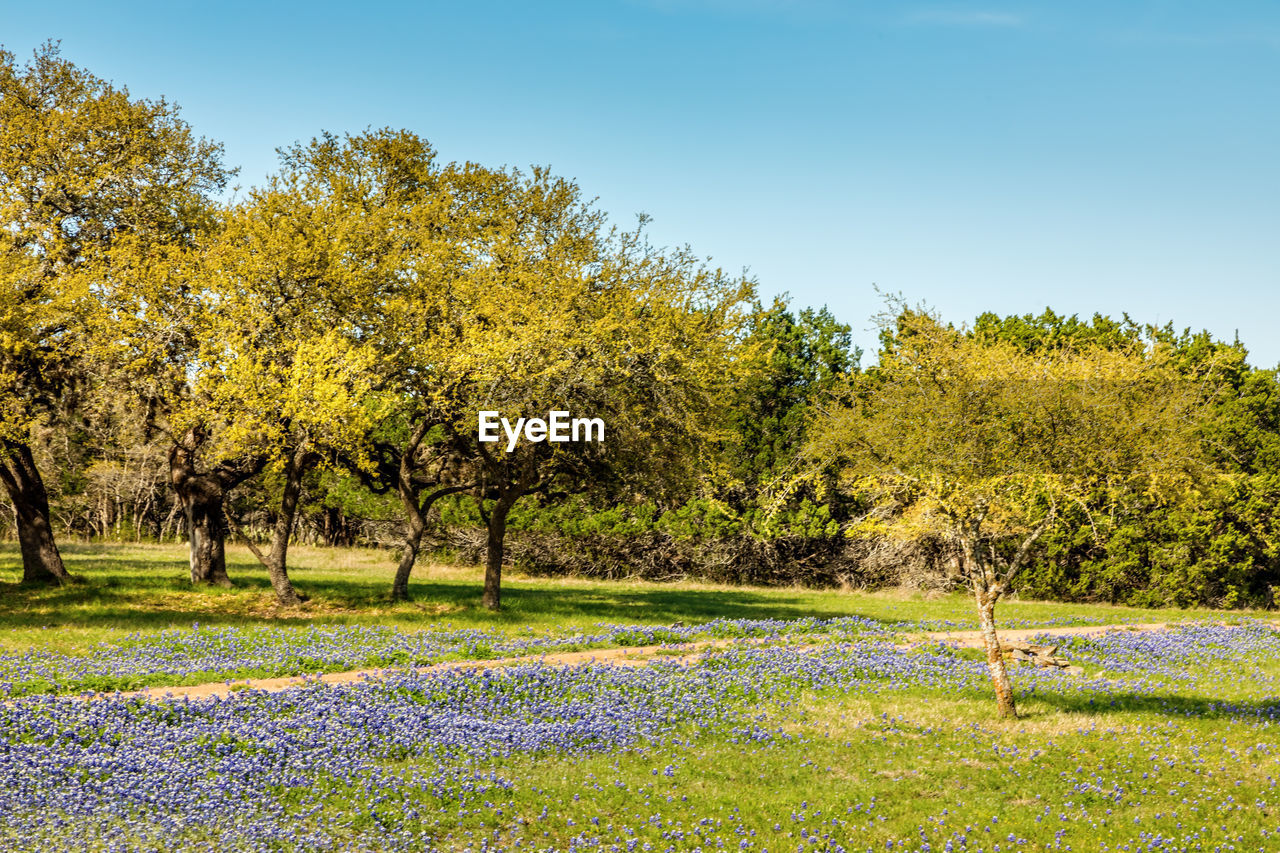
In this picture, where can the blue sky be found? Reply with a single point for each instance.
(1087, 156)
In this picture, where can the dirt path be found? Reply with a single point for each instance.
(629, 656)
(970, 639)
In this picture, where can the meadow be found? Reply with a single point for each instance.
(823, 720)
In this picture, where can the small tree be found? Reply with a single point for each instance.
(983, 443)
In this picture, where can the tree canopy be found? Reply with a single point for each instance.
(83, 167)
(308, 357)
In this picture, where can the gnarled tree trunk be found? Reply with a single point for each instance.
(986, 592)
(986, 600)
(988, 584)
(206, 527)
(415, 516)
(41, 561)
(414, 528)
(416, 512)
(416, 507)
(202, 495)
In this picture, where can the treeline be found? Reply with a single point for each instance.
(306, 362)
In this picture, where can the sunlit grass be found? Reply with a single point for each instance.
(123, 589)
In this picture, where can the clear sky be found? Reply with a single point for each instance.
(1087, 156)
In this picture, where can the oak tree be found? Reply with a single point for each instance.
(290, 293)
(599, 325)
(83, 166)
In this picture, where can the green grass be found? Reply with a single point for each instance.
(923, 761)
(909, 767)
(1195, 762)
(123, 589)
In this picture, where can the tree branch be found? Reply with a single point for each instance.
(235, 528)
(1025, 548)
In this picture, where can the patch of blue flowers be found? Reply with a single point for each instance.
(1178, 653)
(203, 654)
(424, 761)
(258, 770)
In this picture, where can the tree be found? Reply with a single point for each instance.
(1051, 330)
(285, 376)
(984, 443)
(427, 314)
(155, 302)
(803, 356)
(1219, 549)
(515, 298)
(607, 327)
(290, 294)
(82, 167)
(303, 274)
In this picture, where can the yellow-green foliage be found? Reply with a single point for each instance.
(950, 433)
(82, 165)
(519, 299)
(283, 297)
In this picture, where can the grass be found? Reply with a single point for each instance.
(1182, 756)
(912, 768)
(124, 589)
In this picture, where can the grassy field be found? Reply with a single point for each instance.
(131, 588)
(831, 735)
(918, 772)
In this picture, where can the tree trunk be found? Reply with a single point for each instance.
(206, 530)
(414, 516)
(416, 511)
(41, 562)
(295, 467)
(201, 496)
(497, 529)
(986, 599)
(415, 527)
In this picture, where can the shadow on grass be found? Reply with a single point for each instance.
(141, 589)
(653, 606)
(1165, 704)
(145, 602)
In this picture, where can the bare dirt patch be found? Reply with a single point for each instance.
(972, 639)
(626, 656)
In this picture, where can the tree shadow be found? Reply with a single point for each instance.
(1164, 704)
(649, 606)
(149, 598)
